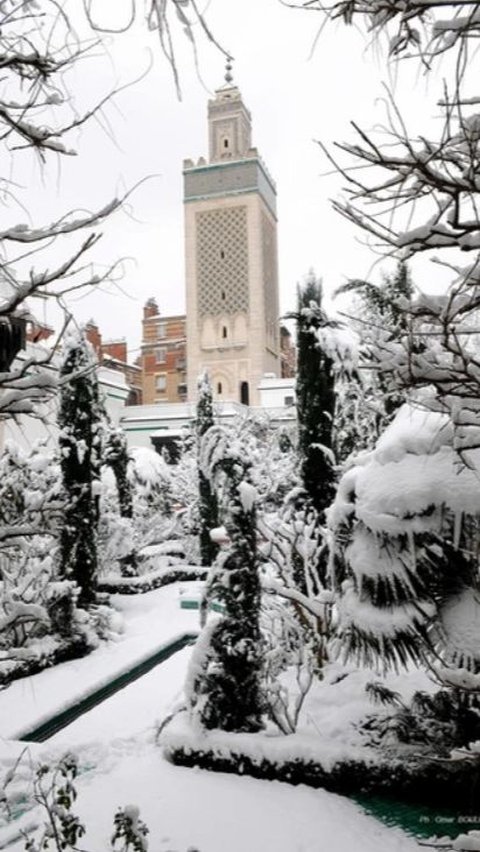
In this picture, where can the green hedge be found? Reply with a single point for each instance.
(420, 780)
(140, 585)
(67, 649)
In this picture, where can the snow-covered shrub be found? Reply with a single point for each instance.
(151, 479)
(442, 721)
(60, 602)
(404, 560)
(274, 466)
(54, 790)
(290, 549)
(296, 609)
(40, 619)
(129, 830)
(31, 497)
(290, 662)
(119, 528)
(116, 533)
(31, 502)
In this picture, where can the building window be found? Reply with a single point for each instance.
(161, 330)
(219, 388)
(224, 331)
(288, 401)
(160, 355)
(225, 143)
(161, 382)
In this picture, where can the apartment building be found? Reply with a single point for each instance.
(163, 356)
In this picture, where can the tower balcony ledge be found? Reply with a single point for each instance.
(252, 154)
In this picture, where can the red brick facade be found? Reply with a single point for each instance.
(113, 354)
(163, 356)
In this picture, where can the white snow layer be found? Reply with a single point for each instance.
(248, 496)
(340, 344)
(150, 467)
(188, 809)
(413, 470)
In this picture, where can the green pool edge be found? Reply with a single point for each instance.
(58, 721)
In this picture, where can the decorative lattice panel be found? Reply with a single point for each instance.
(222, 261)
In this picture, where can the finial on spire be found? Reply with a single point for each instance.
(228, 71)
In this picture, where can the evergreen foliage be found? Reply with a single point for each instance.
(79, 420)
(359, 416)
(226, 689)
(405, 553)
(208, 504)
(30, 491)
(32, 604)
(386, 301)
(315, 393)
(384, 319)
(445, 720)
(315, 401)
(116, 456)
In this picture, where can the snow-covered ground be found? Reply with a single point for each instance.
(121, 763)
(149, 622)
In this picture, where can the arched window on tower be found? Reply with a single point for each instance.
(219, 388)
(224, 332)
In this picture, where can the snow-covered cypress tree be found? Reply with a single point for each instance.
(79, 420)
(116, 456)
(208, 505)
(315, 401)
(226, 687)
(315, 394)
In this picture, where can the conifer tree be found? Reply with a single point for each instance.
(315, 392)
(79, 420)
(208, 506)
(227, 688)
(115, 455)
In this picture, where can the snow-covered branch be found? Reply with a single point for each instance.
(314, 606)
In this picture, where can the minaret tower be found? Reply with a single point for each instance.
(231, 257)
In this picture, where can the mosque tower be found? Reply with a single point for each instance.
(231, 257)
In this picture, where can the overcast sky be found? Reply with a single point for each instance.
(295, 97)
